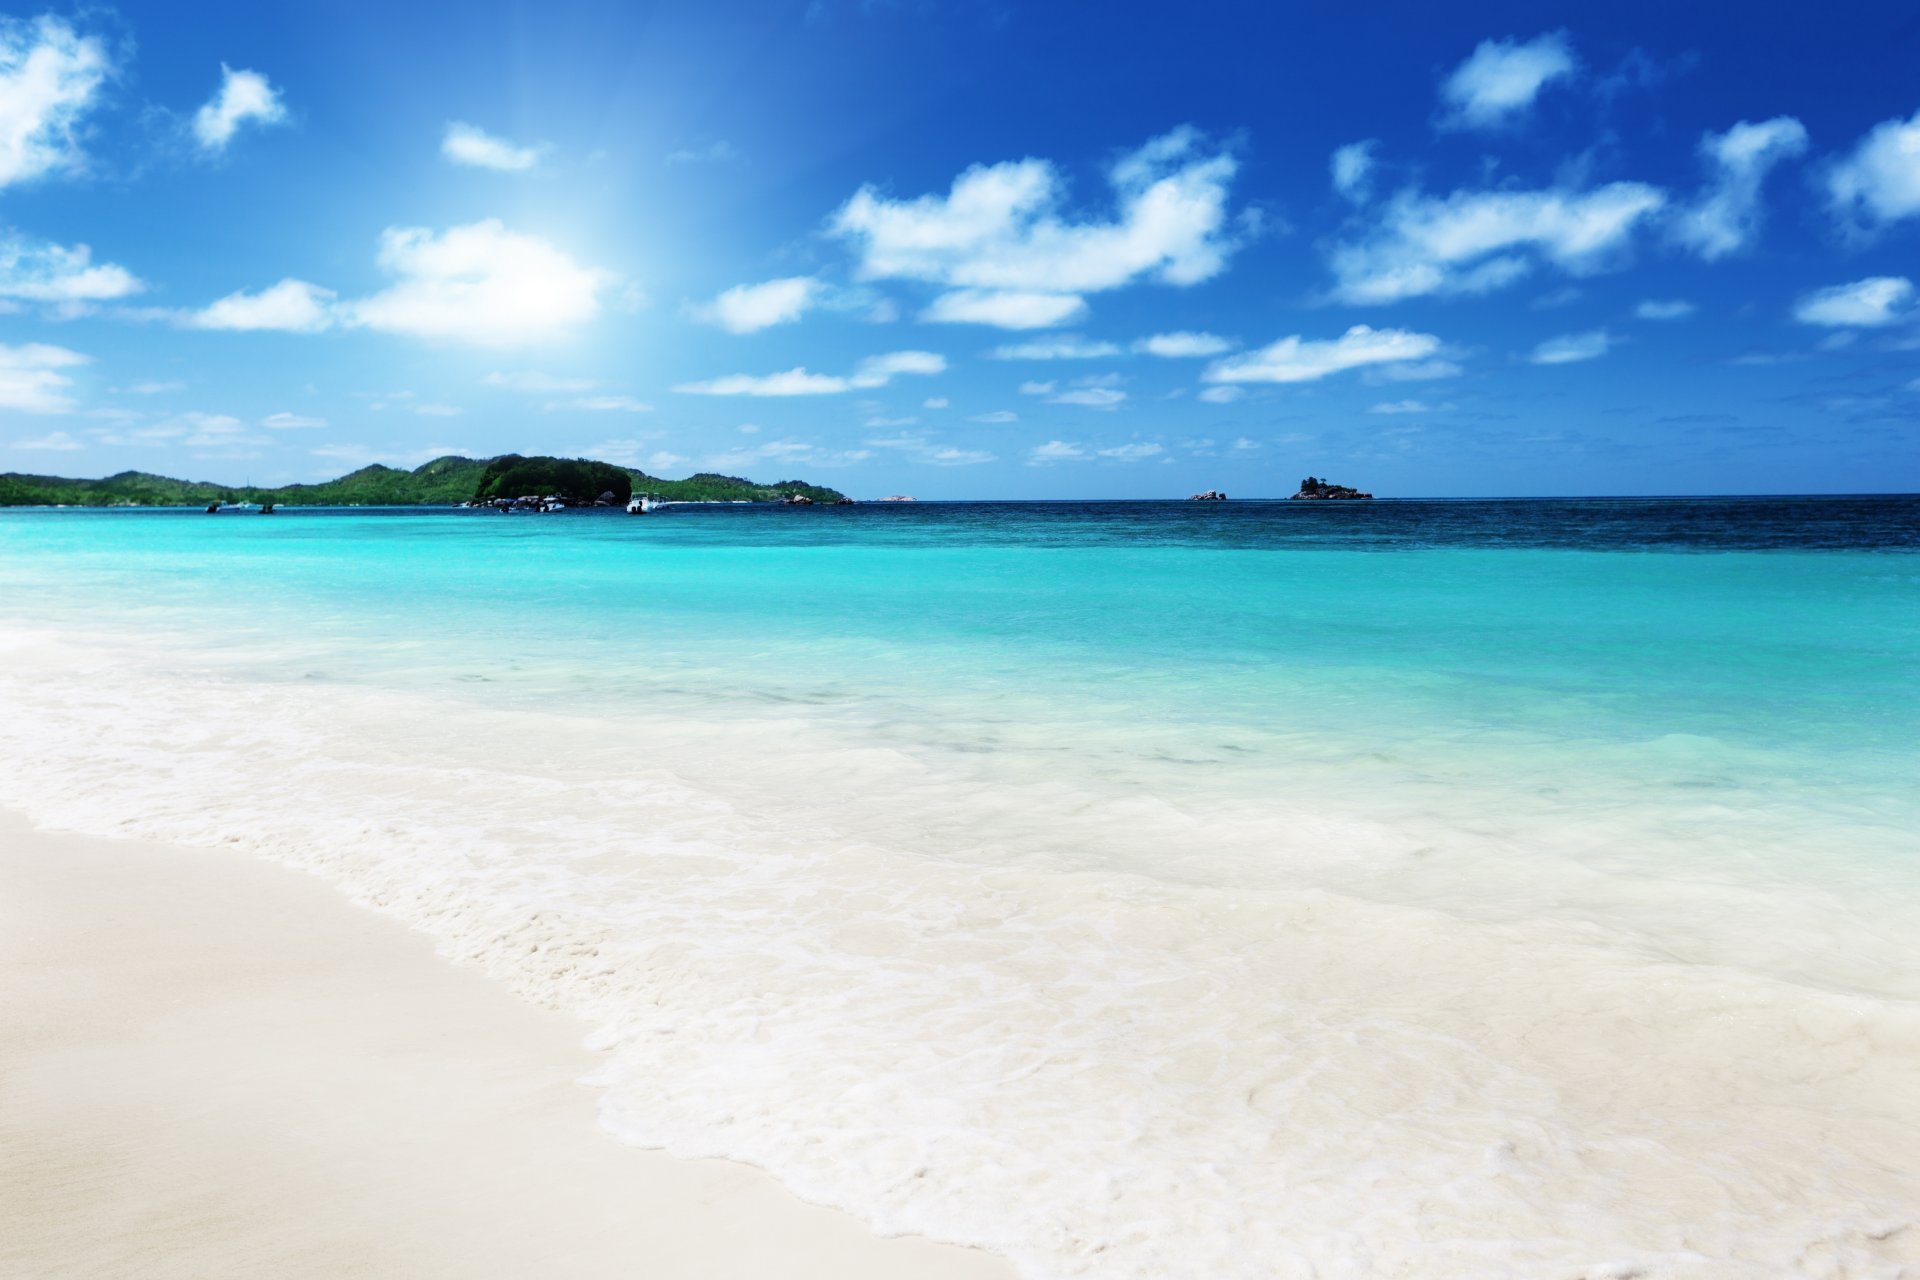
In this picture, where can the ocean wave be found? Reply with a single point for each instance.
(965, 1001)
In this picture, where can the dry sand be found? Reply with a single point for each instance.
(211, 1067)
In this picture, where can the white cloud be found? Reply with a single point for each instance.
(918, 447)
(142, 437)
(1064, 347)
(478, 283)
(535, 381)
(996, 417)
(1864, 304)
(30, 377)
(152, 387)
(473, 146)
(1413, 371)
(1727, 216)
(601, 404)
(1183, 344)
(1005, 308)
(1879, 182)
(40, 271)
(786, 453)
(198, 430)
(1296, 359)
(876, 371)
(627, 450)
(291, 422)
(1224, 394)
(1499, 82)
(1000, 238)
(1664, 309)
(1408, 406)
(292, 306)
(1571, 348)
(1477, 241)
(748, 308)
(1352, 170)
(718, 152)
(1090, 397)
(242, 96)
(49, 78)
(951, 456)
(934, 402)
(380, 399)
(1069, 451)
(58, 441)
(1038, 388)
(359, 455)
(1055, 451)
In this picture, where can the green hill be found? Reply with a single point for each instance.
(129, 488)
(442, 482)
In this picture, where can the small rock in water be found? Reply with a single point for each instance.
(1312, 487)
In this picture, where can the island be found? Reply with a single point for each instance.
(448, 481)
(1313, 488)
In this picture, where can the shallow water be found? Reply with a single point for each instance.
(1238, 889)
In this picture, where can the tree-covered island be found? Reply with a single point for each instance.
(446, 481)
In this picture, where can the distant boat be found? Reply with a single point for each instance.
(213, 508)
(640, 504)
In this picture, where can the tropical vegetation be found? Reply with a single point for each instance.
(445, 481)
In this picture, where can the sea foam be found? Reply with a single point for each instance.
(1118, 1017)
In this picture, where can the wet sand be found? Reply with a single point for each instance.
(211, 1066)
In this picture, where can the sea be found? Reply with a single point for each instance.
(1138, 890)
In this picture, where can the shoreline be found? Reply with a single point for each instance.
(210, 1065)
(1509, 975)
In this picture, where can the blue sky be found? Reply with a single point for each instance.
(955, 250)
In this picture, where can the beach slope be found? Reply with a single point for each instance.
(211, 1066)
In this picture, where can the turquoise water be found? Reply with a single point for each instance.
(1513, 647)
(1204, 620)
(1105, 749)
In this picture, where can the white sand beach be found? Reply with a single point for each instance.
(212, 1066)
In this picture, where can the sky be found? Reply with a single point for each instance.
(954, 250)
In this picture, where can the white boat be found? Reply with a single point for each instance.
(640, 504)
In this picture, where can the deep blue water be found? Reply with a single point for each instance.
(1852, 522)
